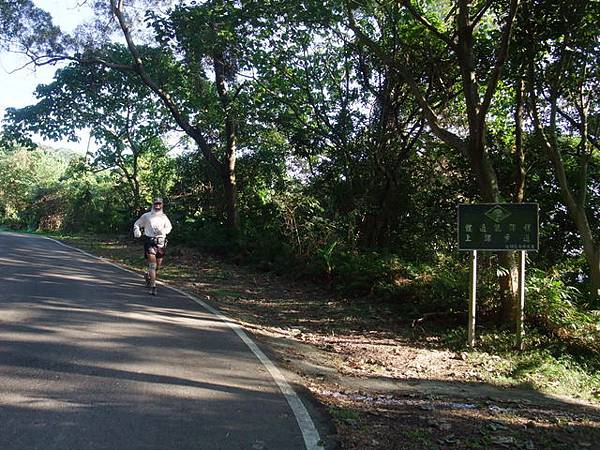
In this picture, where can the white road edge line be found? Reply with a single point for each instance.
(312, 440)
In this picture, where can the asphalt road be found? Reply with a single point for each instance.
(89, 360)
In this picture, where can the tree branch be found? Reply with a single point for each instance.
(551, 150)
(501, 57)
(591, 139)
(49, 59)
(432, 119)
(426, 23)
(479, 15)
(205, 148)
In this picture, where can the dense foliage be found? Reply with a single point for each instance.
(334, 140)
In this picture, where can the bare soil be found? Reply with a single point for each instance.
(385, 384)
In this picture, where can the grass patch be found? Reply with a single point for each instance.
(221, 275)
(344, 414)
(550, 374)
(226, 293)
(545, 365)
(420, 438)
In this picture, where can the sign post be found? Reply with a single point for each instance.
(472, 300)
(500, 228)
(521, 317)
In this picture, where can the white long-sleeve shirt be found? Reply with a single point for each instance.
(155, 224)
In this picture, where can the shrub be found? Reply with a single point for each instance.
(551, 305)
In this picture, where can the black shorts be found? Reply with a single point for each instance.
(151, 248)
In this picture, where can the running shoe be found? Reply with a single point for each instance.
(153, 290)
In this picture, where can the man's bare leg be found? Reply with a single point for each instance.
(152, 265)
(159, 262)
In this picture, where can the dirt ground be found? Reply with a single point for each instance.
(385, 384)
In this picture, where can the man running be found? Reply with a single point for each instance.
(156, 226)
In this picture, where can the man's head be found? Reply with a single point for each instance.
(157, 204)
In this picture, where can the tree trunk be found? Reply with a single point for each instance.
(579, 216)
(575, 206)
(229, 181)
(508, 269)
(195, 132)
(519, 193)
(231, 210)
(595, 277)
(590, 250)
(507, 262)
(508, 279)
(228, 173)
(233, 221)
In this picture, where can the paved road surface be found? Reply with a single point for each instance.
(88, 360)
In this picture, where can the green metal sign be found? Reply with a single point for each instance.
(498, 226)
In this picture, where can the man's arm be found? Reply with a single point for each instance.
(136, 227)
(168, 226)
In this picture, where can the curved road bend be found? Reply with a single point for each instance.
(88, 360)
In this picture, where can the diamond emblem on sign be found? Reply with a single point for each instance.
(497, 213)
